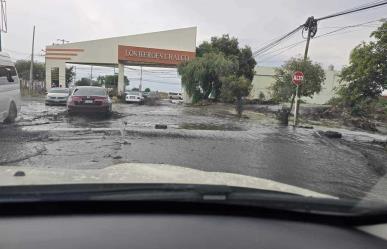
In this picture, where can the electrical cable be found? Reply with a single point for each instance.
(353, 10)
(322, 35)
(276, 42)
(313, 25)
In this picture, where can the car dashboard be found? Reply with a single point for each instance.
(41, 226)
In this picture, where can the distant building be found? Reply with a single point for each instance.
(264, 78)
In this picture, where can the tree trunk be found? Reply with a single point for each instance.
(239, 106)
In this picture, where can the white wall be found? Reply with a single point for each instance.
(264, 78)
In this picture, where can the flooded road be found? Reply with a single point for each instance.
(205, 138)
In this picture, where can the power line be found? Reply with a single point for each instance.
(276, 42)
(353, 10)
(153, 81)
(166, 72)
(312, 23)
(284, 49)
(334, 32)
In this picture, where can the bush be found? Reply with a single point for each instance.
(197, 96)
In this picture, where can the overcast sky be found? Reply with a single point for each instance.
(254, 23)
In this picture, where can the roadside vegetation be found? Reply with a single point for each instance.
(222, 71)
(364, 79)
(23, 69)
(283, 91)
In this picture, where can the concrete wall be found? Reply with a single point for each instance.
(264, 78)
(327, 91)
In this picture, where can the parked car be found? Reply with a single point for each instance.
(9, 90)
(86, 99)
(134, 97)
(57, 96)
(145, 94)
(172, 95)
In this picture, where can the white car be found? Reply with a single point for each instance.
(134, 97)
(172, 95)
(9, 90)
(57, 96)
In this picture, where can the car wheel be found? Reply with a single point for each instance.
(12, 113)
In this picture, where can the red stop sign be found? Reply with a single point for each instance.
(298, 77)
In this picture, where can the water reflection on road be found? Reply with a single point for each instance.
(206, 138)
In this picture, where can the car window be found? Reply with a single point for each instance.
(58, 90)
(89, 92)
(5, 71)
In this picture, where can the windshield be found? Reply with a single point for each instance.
(59, 90)
(89, 91)
(283, 96)
(133, 93)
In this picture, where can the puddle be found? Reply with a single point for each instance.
(210, 127)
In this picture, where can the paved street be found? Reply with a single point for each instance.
(206, 138)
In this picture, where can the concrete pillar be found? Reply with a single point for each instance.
(62, 75)
(121, 84)
(48, 76)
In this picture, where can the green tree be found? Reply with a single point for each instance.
(23, 69)
(84, 82)
(202, 75)
(282, 89)
(147, 90)
(362, 81)
(112, 80)
(234, 88)
(230, 48)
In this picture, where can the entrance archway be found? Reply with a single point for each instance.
(157, 49)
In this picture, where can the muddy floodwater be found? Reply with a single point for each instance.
(208, 138)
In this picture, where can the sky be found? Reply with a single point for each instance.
(253, 22)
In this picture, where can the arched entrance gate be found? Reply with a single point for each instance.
(158, 49)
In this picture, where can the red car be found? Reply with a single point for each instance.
(89, 99)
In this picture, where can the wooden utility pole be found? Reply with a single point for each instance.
(32, 60)
(311, 26)
(140, 86)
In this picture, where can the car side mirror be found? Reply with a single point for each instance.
(9, 77)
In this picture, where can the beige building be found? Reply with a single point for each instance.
(158, 49)
(264, 78)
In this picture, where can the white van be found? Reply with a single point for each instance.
(9, 89)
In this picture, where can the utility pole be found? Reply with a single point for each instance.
(140, 86)
(91, 73)
(32, 59)
(311, 26)
(3, 24)
(75, 74)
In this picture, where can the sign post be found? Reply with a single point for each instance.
(297, 79)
